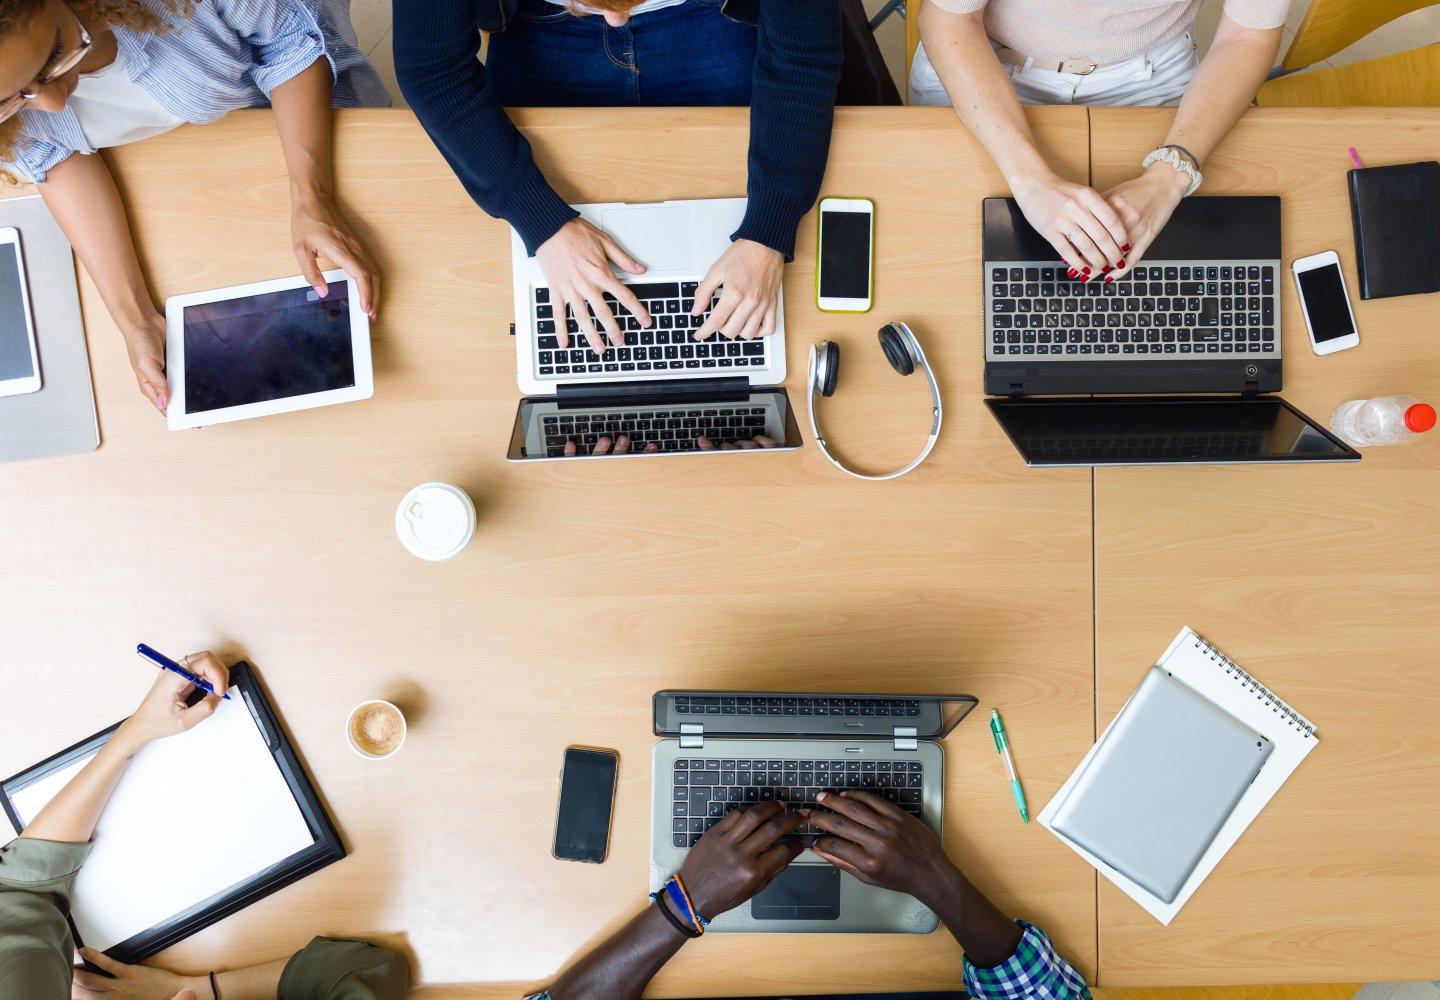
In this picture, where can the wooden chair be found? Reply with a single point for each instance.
(1332, 25)
(1406, 79)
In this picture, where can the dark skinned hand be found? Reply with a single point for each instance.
(879, 843)
(739, 856)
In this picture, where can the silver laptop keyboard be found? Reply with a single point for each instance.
(706, 788)
(669, 429)
(1215, 308)
(667, 347)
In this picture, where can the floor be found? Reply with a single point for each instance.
(1421, 27)
(372, 26)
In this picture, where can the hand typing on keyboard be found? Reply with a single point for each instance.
(748, 278)
(739, 856)
(1144, 205)
(1081, 225)
(880, 844)
(576, 262)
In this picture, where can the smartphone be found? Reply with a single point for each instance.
(19, 360)
(1325, 302)
(844, 277)
(587, 800)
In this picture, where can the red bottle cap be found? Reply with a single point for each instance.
(1420, 417)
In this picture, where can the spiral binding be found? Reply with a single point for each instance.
(1277, 704)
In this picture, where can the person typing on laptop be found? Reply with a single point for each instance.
(875, 841)
(991, 56)
(781, 57)
(38, 871)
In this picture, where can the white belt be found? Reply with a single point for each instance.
(1080, 67)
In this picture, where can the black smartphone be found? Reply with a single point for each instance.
(587, 799)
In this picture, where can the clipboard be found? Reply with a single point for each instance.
(325, 849)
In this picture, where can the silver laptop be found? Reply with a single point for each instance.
(723, 750)
(1166, 776)
(665, 392)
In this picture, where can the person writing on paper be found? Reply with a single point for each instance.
(780, 57)
(38, 869)
(988, 57)
(77, 76)
(873, 840)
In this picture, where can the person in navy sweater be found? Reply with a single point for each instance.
(781, 57)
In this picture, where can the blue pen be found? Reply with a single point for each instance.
(165, 663)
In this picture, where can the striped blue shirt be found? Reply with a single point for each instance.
(228, 54)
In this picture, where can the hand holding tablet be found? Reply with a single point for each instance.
(266, 347)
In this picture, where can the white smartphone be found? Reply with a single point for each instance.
(844, 275)
(19, 360)
(1325, 302)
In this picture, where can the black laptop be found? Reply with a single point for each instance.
(1173, 364)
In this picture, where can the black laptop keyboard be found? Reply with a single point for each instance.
(706, 788)
(677, 429)
(728, 705)
(665, 347)
(1219, 309)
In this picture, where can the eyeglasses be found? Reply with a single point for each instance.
(62, 64)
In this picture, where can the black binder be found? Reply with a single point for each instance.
(1396, 214)
(326, 850)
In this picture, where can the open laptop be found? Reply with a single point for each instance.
(723, 750)
(666, 392)
(1186, 348)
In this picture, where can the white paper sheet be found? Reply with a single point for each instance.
(1244, 698)
(192, 816)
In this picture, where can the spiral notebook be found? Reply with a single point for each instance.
(1205, 671)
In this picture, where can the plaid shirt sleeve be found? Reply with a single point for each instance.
(1035, 971)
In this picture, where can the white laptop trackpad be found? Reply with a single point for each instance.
(658, 236)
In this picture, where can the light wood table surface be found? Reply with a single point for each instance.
(588, 586)
(1323, 582)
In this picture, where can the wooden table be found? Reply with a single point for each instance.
(588, 587)
(1324, 582)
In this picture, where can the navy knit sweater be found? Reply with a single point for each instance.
(797, 67)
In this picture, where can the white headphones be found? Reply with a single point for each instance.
(905, 354)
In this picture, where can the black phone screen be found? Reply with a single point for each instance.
(1322, 293)
(844, 255)
(587, 794)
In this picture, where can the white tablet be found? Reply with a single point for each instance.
(19, 363)
(267, 347)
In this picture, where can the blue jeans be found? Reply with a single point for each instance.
(685, 55)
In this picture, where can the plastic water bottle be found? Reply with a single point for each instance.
(1384, 420)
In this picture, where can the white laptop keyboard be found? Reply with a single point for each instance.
(666, 348)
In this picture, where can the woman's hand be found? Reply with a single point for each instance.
(1145, 203)
(317, 227)
(880, 844)
(1082, 226)
(145, 343)
(133, 982)
(164, 712)
(739, 856)
(576, 261)
(748, 278)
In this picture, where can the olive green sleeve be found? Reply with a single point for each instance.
(36, 948)
(342, 969)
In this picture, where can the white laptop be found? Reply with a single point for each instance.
(663, 390)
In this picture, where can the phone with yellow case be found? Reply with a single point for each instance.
(845, 255)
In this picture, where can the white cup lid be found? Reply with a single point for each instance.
(435, 521)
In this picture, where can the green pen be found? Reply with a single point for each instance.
(1002, 744)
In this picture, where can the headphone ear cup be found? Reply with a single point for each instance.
(893, 344)
(829, 368)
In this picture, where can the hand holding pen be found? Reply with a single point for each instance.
(165, 710)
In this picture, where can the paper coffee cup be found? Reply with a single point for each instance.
(375, 729)
(435, 521)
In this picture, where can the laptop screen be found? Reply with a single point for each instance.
(626, 427)
(838, 715)
(1164, 431)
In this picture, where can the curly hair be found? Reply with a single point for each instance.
(134, 15)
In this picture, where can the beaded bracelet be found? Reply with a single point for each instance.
(675, 921)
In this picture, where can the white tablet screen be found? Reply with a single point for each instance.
(269, 346)
(16, 361)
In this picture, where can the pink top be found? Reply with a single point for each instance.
(1107, 31)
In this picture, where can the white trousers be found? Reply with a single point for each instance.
(1152, 78)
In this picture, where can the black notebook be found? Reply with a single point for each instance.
(1396, 212)
(201, 825)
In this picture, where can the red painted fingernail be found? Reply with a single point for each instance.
(1122, 262)
(1108, 279)
(1071, 273)
(1106, 269)
(1125, 248)
(1085, 271)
